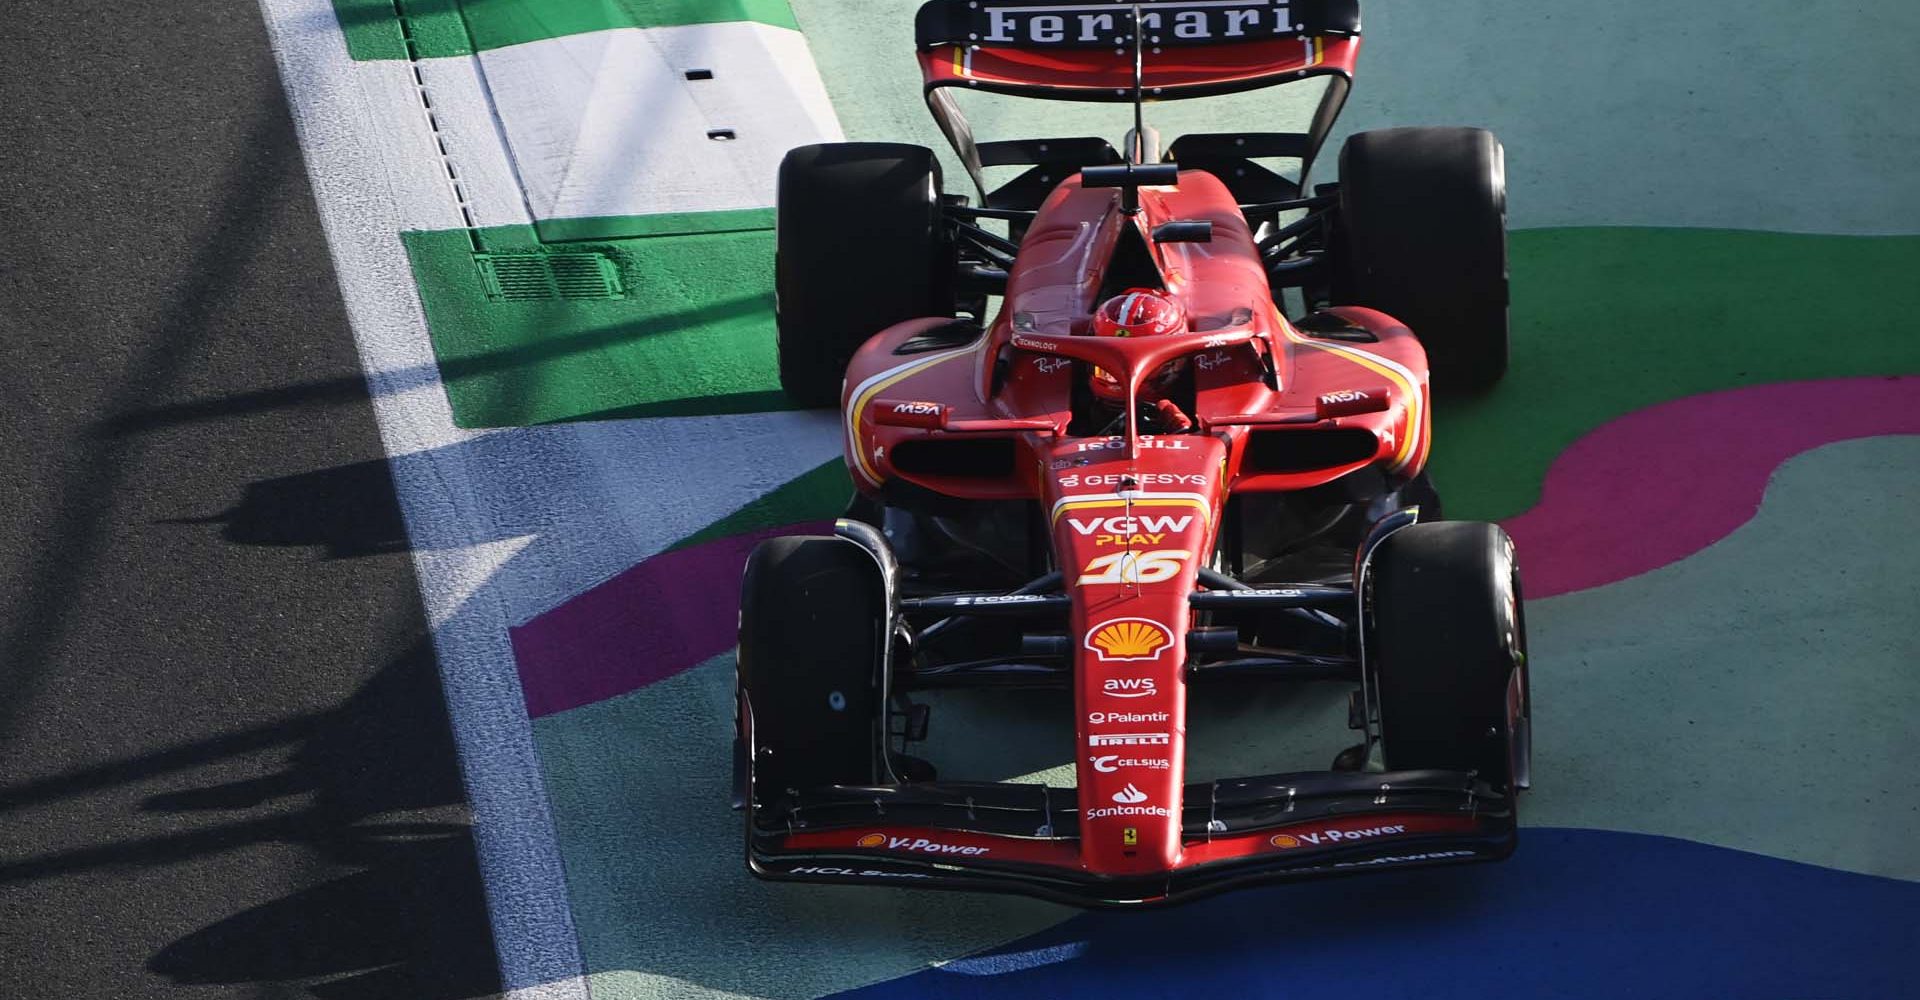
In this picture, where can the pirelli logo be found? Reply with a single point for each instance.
(1129, 740)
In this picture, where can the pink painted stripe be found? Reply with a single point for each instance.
(1659, 484)
(666, 615)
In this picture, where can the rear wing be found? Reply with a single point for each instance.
(1084, 51)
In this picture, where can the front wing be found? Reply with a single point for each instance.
(1025, 838)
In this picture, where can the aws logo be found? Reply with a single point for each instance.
(1129, 687)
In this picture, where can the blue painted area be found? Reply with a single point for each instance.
(1574, 913)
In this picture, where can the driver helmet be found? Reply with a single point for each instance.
(1138, 312)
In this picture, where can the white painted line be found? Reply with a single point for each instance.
(607, 123)
(370, 177)
(503, 524)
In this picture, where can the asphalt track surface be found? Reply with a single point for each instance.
(224, 756)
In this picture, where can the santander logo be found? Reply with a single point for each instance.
(1129, 796)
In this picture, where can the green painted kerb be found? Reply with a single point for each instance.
(692, 334)
(375, 30)
(1605, 321)
(1608, 321)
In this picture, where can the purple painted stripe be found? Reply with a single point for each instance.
(666, 615)
(1659, 484)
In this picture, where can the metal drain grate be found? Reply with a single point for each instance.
(521, 277)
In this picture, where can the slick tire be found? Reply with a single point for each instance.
(1447, 648)
(810, 691)
(1422, 236)
(859, 246)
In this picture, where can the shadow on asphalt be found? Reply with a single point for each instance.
(384, 796)
(370, 787)
(346, 512)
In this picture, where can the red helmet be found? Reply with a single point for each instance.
(1137, 312)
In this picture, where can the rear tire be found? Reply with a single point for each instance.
(860, 246)
(1447, 649)
(810, 690)
(1422, 236)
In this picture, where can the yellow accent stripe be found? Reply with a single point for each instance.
(1206, 513)
(1410, 441)
(859, 407)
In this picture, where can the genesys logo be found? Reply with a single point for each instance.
(1130, 740)
(1110, 762)
(920, 844)
(1126, 718)
(1129, 687)
(853, 872)
(1323, 838)
(1075, 480)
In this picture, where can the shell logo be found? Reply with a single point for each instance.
(1129, 639)
(871, 840)
(1283, 841)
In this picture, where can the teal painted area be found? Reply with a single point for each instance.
(820, 495)
(1759, 695)
(661, 898)
(693, 336)
(439, 28)
(1751, 697)
(1607, 321)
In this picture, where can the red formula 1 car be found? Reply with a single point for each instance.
(1137, 477)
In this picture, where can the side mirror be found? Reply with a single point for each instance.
(1131, 175)
(1130, 178)
(1183, 231)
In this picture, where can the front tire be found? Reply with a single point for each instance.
(861, 245)
(811, 697)
(1422, 236)
(1448, 651)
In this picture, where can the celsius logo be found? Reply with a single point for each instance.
(1109, 763)
(1129, 687)
(1129, 796)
